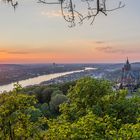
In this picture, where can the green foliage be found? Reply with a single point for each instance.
(128, 110)
(91, 110)
(66, 86)
(88, 127)
(130, 131)
(56, 101)
(55, 93)
(19, 118)
(86, 94)
(46, 94)
(45, 110)
(95, 111)
(17, 87)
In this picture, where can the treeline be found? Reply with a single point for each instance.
(50, 96)
(87, 109)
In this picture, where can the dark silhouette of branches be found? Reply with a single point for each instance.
(70, 12)
(94, 7)
(13, 3)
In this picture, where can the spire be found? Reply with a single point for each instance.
(127, 61)
(127, 66)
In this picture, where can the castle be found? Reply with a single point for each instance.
(130, 78)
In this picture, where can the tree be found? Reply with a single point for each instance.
(70, 9)
(87, 94)
(19, 118)
(91, 110)
(56, 100)
(95, 111)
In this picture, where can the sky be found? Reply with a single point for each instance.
(37, 33)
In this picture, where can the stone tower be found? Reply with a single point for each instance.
(130, 79)
(127, 75)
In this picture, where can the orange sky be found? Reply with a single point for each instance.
(77, 51)
(37, 33)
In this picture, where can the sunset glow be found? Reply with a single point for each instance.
(37, 33)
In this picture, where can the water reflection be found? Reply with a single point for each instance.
(39, 79)
(35, 80)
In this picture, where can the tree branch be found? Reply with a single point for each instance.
(71, 14)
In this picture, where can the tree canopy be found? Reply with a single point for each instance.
(95, 111)
(89, 109)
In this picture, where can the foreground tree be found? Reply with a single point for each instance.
(70, 9)
(95, 111)
(19, 118)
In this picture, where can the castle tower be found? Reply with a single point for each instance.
(130, 79)
(127, 77)
(127, 66)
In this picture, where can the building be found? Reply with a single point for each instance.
(130, 78)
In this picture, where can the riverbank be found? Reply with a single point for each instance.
(70, 77)
(10, 73)
(39, 79)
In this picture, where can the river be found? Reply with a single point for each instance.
(39, 79)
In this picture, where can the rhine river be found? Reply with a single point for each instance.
(39, 79)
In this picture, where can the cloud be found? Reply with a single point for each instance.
(54, 14)
(108, 49)
(17, 52)
(51, 14)
(2, 51)
(99, 42)
(13, 52)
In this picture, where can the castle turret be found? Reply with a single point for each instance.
(130, 78)
(127, 66)
(127, 76)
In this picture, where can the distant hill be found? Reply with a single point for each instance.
(136, 64)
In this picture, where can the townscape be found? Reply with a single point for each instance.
(125, 76)
(69, 70)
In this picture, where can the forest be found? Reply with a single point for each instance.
(87, 109)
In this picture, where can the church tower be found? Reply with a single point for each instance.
(127, 66)
(130, 78)
(127, 77)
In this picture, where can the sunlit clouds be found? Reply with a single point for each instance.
(37, 33)
(77, 51)
(51, 14)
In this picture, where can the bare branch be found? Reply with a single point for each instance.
(44, 2)
(72, 15)
(13, 3)
(94, 7)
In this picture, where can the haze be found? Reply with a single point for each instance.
(36, 33)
